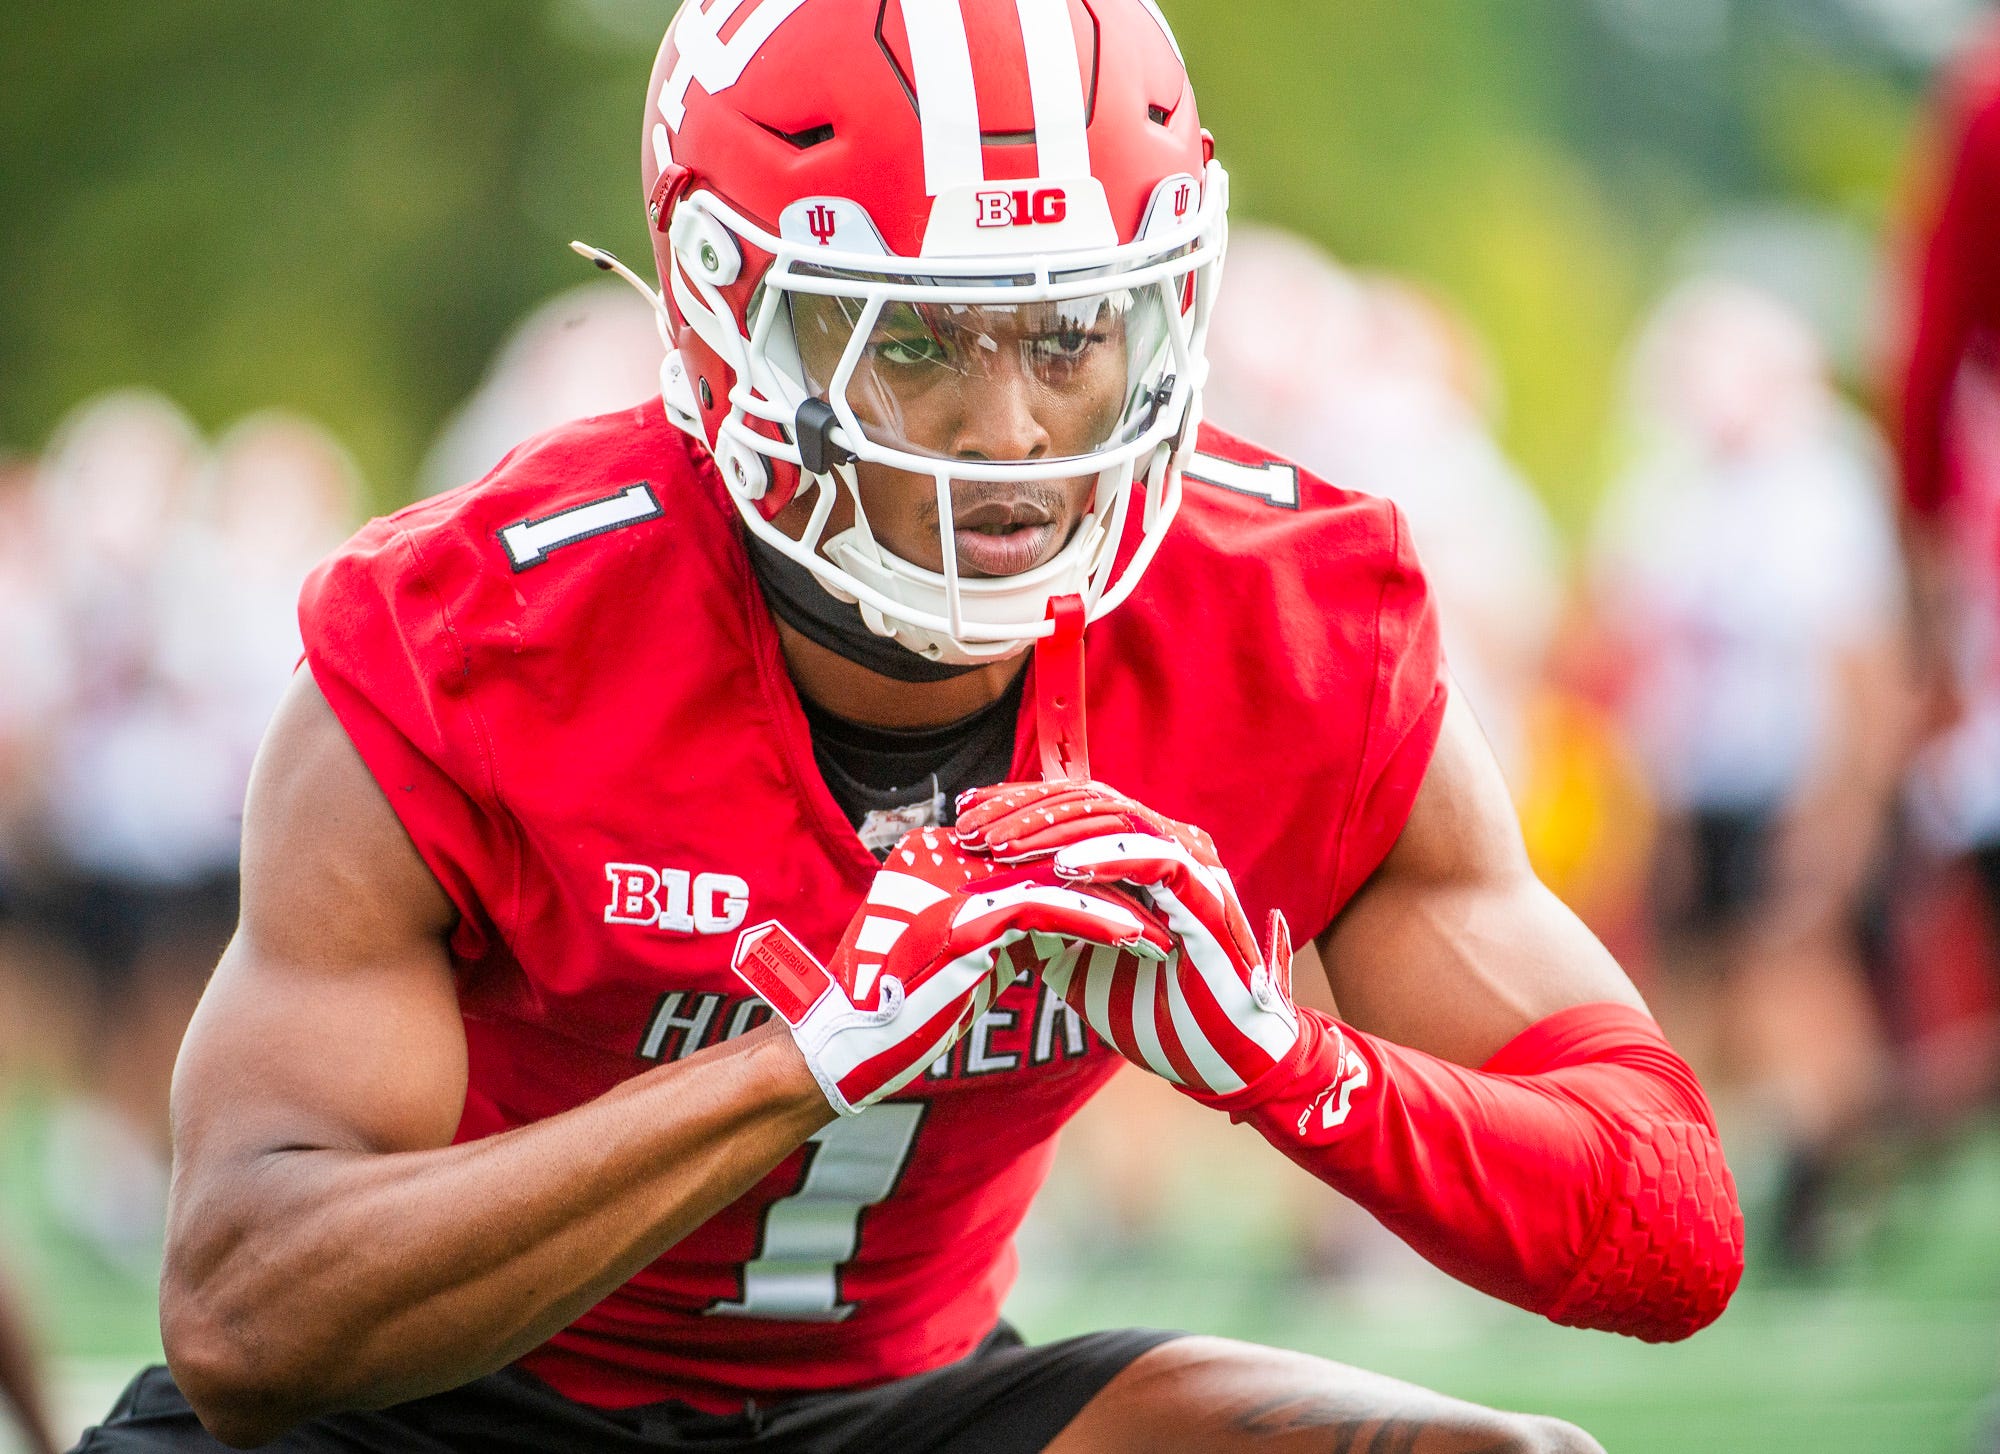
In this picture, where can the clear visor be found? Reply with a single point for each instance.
(1045, 381)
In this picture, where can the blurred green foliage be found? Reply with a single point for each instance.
(342, 207)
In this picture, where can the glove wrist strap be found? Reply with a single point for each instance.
(1314, 1057)
(811, 1040)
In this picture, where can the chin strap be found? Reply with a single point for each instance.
(803, 604)
(1059, 701)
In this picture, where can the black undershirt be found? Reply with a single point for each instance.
(910, 779)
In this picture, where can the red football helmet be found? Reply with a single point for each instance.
(855, 203)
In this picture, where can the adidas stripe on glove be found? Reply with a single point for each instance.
(1217, 1016)
(925, 955)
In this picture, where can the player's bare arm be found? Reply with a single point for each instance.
(1454, 946)
(328, 1246)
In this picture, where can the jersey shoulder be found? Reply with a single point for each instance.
(1264, 511)
(573, 527)
(459, 640)
(559, 488)
(560, 565)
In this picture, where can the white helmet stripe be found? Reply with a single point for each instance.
(1167, 30)
(1062, 148)
(947, 104)
(703, 55)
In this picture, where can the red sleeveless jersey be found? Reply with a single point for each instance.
(567, 684)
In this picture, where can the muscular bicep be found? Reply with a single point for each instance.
(332, 1020)
(1454, 946)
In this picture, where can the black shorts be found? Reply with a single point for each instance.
(1722, 876)
(1002, 1398)
(1985, 859)
(112, 923)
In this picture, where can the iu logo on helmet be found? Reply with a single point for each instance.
(1183, 199)
(822, 223)
(1023, 208)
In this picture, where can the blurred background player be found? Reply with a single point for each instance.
(1946, 417)
(1746, 563)
(158, 575)
(584, 352)
(116, 809)
(37, 985)
(1369, 382)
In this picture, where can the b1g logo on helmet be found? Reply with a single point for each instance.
(1043, 206)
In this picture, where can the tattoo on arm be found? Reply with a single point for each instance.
(1360, 1429)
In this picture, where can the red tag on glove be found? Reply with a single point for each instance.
(779, 968)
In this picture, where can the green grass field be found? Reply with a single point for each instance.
(1893, 1351)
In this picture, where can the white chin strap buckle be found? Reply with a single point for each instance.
(677, 391)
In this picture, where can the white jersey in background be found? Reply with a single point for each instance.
(1748, 549)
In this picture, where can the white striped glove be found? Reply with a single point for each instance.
(1217, 1016)
(925, 955)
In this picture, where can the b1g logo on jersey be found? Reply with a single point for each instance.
(1044, 206)
(676, 900)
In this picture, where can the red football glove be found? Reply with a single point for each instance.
(920, 961)
(1218, 1016)
(1016, 822)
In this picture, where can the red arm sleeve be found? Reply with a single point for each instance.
(1578, 1174)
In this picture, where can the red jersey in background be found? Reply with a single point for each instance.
(1953, 352)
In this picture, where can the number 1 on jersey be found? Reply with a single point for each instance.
(855, 1163)
(1274, 482)
(530, 542)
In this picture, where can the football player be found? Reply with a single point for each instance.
(1943, 397)
(661, 975)
(1946, 399)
